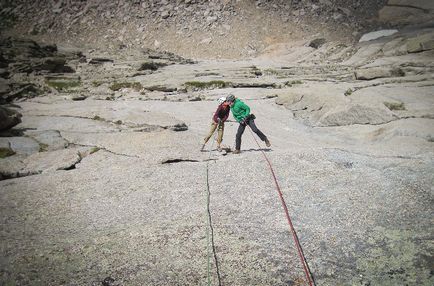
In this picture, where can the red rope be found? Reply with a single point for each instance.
(291, 227)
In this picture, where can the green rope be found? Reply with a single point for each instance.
(210, 239)
(208, 229)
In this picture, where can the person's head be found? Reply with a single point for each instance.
(230, 99)
(221, 100)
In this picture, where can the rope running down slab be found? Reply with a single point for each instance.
(210, 229)
(303, 260)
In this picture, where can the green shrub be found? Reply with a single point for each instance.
(43, 147)
(395, 105)
(348, 92)
(62, 85)
(207, 84)
(6, 152)
(119, 85)
(96, 83)
(271, 71)
(292, 82)
(93, 150)
(153, 66)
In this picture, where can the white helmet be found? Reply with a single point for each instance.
(221, 100)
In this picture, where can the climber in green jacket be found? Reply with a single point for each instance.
(241, 113)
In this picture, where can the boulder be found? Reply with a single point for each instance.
(165, 14)
(21, 145)
(421, 4)
(366, 53)
(98, 61)
(11, 166)
(4, 73)
(3, 62)
(288, 99)
(9, 118)
(317, 43)
(21, 90)
(78, 97)
(356, 114)
(64, 159)
(378, 72)
(377, 34)
(54, 65)
(49, 140)
(410, 127)
(4, 86)
(420, 43)
(407, 12)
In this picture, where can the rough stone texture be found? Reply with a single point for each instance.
(422, 4)
(411, 127)
(9, 118)
(52, 161)
(354, 160)
(407, 12)
(22, 145)
(178, 26)
(326, 105)
(356, 114)
(377, 34)
(372, 73)
(10, 166)
(50, 140)
(4, 87)
(421, 43)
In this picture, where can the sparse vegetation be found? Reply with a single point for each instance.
(96, 117)
(43, 147)
(207, 84)
(292, 82)
(395, 105)
(118, 122)
(93, 150)
(207, 74)
(255, 71)
(151, 66)
(270, 71)
(119, 85)
(348, 92)
(6, 152)
(96, 83)
(62, 85)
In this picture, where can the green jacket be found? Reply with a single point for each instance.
(240, 110)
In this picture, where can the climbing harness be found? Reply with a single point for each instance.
(210, 230)
(303, 260)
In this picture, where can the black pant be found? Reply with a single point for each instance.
(242, 127)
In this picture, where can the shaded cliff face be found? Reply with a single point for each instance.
(193, 28)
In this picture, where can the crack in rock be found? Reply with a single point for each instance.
(409, 6)
(171, 161)
(104, 149)
(372, 156)
(137, 127)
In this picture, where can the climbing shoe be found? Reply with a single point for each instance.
(267, 142)
(236, 151)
